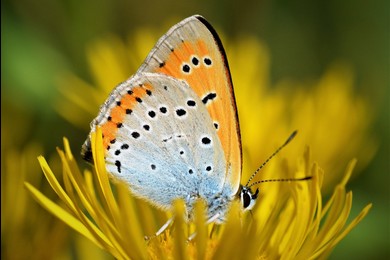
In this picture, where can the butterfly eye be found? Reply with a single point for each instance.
(247, 198)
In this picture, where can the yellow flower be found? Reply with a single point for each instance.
(329, 116)
(290, 221)
(25, 228)
(319, 109)
(110, 63)
(27, 231)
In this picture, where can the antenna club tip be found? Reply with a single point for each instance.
(291, 136)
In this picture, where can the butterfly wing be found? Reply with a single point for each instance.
(192, 51)
(159, 139)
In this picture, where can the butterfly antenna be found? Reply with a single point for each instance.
(281, 180)
(269, 158)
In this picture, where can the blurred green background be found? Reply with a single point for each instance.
(42, 39)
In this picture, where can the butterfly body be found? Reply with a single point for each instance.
(171, 131)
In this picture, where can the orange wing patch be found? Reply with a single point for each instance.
(123, 107)
(193, 51)
(204, 70)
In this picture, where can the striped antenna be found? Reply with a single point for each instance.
(269, 158)
(281, 180)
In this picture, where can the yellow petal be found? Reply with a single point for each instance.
(62, 214)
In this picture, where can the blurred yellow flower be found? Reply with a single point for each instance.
(25, 228)
(333, 120)
(329, 116)
(290, 222)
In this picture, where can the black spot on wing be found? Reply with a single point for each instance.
(118, 165)
(206, 140)
(209, 97)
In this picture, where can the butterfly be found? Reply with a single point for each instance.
(171, 131)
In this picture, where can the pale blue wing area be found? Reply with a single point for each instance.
(167, 148)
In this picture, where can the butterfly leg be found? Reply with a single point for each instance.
(161, 230)
(210, 220)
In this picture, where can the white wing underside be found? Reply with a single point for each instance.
(171, 159)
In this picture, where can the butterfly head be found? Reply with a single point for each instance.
(247, 197)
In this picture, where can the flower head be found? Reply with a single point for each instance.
(292, 224)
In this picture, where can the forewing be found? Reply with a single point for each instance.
(192, 50)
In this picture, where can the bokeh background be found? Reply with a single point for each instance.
(43, 39)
